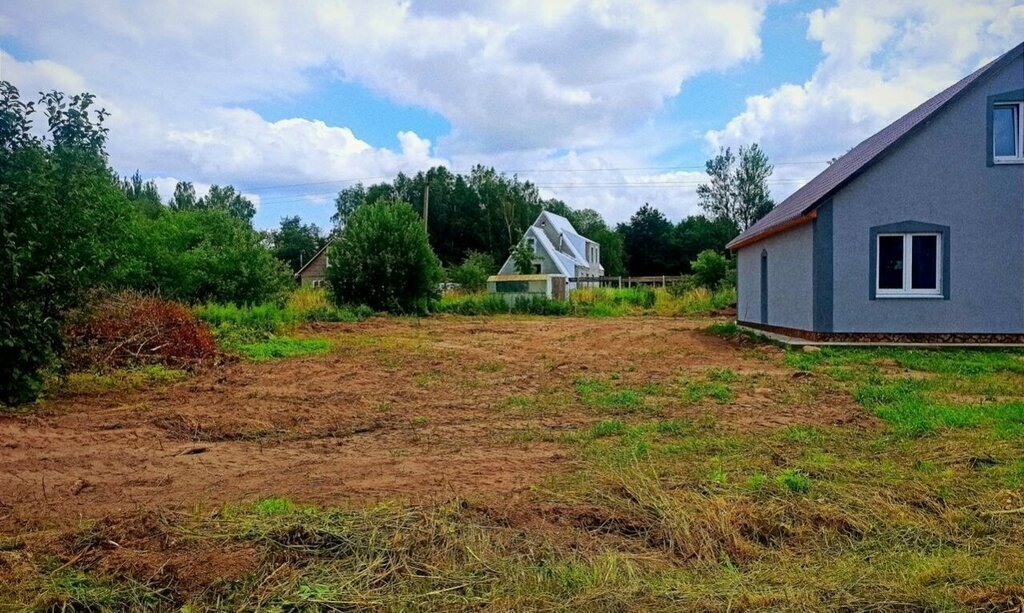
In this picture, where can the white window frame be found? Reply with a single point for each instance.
(1019, 134)
(908, 265)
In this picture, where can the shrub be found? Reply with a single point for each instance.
(709, 268)
(471, 275)
(522, 257)
(129, 329)
(382, 259)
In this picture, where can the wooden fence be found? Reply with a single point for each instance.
(658, 280)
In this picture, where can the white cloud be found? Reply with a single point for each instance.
(516, 75)
(881, 60)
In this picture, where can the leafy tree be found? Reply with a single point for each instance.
(227, 199)
(647, 238)
(184, 198)
(294, 242)
(738, 187)
(62, 213)
(709, 268)
(348, 200)
(522, 257)
(698, 233)
(472, 274)
(202, 255)
(382, 259)
(143, 194)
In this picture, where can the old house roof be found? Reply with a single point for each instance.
(315, 256)
(801, 204)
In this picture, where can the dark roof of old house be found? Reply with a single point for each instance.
(313, 259)
(803, 201)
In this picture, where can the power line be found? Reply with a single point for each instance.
(517, 171)
(282, 198)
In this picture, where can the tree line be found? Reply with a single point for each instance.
(485, 212)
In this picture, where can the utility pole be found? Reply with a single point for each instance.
(426, 205)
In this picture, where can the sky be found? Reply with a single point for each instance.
(603, 104)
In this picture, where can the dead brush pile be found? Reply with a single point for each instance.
(133, 329)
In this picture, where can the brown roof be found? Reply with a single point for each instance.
(860, 158)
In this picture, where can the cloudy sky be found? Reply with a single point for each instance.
(603, 104)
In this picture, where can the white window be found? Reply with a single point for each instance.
(909, 265)
(1008, 133)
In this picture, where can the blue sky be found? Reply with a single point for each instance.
(605, 105)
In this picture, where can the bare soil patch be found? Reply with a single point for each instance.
(413, 410)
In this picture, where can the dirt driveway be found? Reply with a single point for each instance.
(413, 410)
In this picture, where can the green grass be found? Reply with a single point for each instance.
(278, 347)
(920, 392)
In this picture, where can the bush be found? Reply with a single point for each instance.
(382, 259)
(492, 304)
(709, 268)
(471, 275)
(132, 329)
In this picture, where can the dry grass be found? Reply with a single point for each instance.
(924, 512)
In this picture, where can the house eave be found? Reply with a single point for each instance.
(772, 231)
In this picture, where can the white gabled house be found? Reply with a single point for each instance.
(559, 250)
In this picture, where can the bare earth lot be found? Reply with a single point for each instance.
(525, 463)
(415, 410)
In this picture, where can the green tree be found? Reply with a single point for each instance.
(472, 273)
(184, 198)
(347, 201)
(381, 258)
(227, 199)
(202, 255)
(698, 233)
(737, 188)
(143, 194)
(294, 242)
(647, 238)
(709, 268)
(62, 218)
(522, 257)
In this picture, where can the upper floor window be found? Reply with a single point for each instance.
(909, 264)
(1008, 132)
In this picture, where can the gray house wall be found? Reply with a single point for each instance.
(820, 273)
(790, 279)
(939, 176)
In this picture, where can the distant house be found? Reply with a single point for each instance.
(916, 234)
(313, 272)
(559, 249)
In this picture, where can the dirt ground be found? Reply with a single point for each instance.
(411, 410)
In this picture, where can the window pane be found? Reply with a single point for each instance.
(1004, 130)
(890, 262)
(925, 250)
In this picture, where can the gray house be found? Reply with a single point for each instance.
(916, 234)
(559, 249)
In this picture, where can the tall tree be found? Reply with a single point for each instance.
(184, 198)
(648, 242)
(737, 188)
(228, 199)
(143, 194)
(346, 202)
(294, 242)
(698, 233)
(62, 223)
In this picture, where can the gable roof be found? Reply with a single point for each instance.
(802, 202)
(313, 259)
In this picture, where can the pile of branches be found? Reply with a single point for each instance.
(130, 329)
